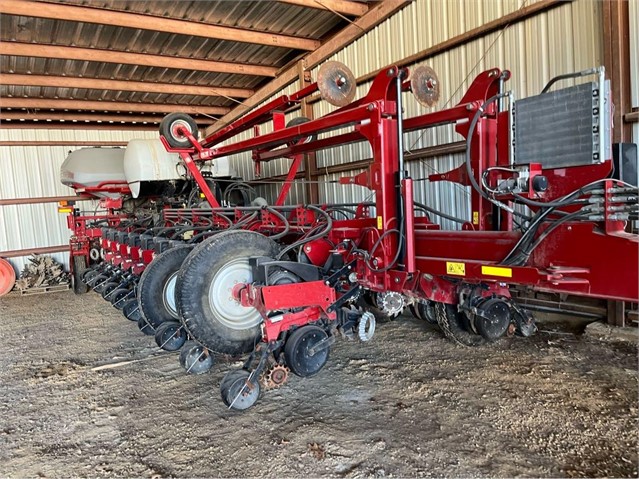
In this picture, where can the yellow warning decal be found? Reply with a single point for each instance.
(458, 269)
(497, 271)
(380, 223)
(64, 210)
(475, 217)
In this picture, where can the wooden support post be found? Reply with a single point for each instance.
(616, 313)
(616, 44)
(310, 159)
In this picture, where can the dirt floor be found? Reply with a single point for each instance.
(409, 403)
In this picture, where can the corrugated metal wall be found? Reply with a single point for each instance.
(565, 39)
(34, 171)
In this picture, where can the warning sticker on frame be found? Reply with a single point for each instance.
(475, 217)
(380, 223)
(458, 269)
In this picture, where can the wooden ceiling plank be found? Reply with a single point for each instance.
(356, 9)
(74, 13)
(121, 85)
(346, 36)
(128, 58)
(81, 117)
(101, 106)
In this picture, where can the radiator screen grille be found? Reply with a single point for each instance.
(559, 128)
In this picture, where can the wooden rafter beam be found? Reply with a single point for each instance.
(356, 9)
(28, 8)
(121, 85)
(85, 117)
(346, 36)
(128, 58)
(87, 105)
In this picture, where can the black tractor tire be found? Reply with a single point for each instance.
(79, 269)
(157, 282)
(204, 300)
(168, 130)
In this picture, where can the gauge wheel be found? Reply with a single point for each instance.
(298, 351)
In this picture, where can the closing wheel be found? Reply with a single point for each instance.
(120, 296)
(131, 310)
(195, 358)
(156, 289)
(145, 327)
(454, 326)
(79, 269)
(171, 128)
(236, 392)
(204, 291)
(299, 353)
(170, 336)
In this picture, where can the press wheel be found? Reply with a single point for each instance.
(236, 393)
(195, 358)
(170, 336)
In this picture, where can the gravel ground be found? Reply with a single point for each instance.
(409, 403)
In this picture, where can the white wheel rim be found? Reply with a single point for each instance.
(174, 130)
(226, 308)
(168, 295)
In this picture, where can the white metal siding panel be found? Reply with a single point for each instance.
(634, 62)
(34, 171)
(565, 39)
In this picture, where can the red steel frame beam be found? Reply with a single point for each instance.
(476, 253)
